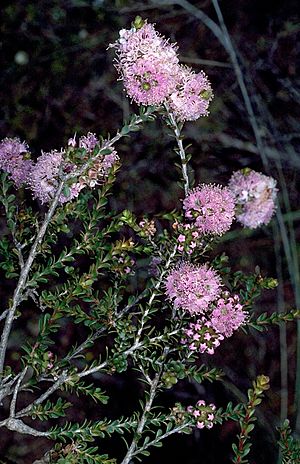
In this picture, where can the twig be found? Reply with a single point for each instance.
(4, 314)
(60, 381)
(97, 334)
(141, 425)
(12, 409)
(162, 437)
(16, 425)
(181, 151)
(212, 63)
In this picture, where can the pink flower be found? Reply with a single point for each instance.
(203, 347)
(201, 403)
(212, 208)
(200, 425)
(193, 288)
(72, 142)
(181, 238)
(13, 161)
(192, 96)
(192, 347)
(255, 196)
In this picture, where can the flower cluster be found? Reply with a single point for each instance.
(197, 290)
(147, 64)
(228, 314)
(43, 177)
(255, 196)
(99, 170)
(203, 414)
(193, 288)
(13, 160)
(201, 337)
(88, 142)
(152, 75)
(188, 239)
(148, 228)
(211, 207)
(192, 96)
(101, 165)
(45, 174)
(123, 265)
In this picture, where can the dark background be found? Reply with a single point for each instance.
(57, 78)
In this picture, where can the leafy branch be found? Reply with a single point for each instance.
(255, 395)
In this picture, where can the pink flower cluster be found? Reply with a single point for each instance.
(203, 414)
(193, 288)
(13, 160)
(192, 96)
(189, 239)
(99, 171)
(201, 337)
(101, 166)
(197, 290)
(88, 142)
(43, 176)
(211, 207)
(255, 196)
(228, 314)
(149, 67)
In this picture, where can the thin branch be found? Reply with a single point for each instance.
(181, 151)
(141, 425)
(211, 63)
(99, 332)
(4, 314)
(12, 409)
(162, 437)
(60, 381)
(16, 425)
